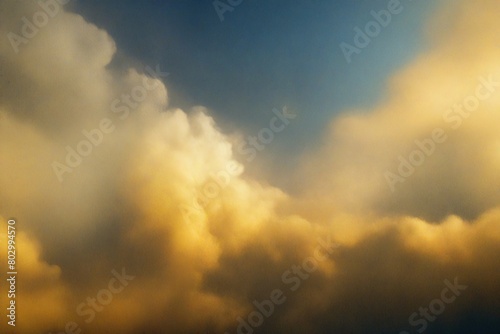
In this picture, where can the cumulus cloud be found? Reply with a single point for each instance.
(440, 91)
(161, 197)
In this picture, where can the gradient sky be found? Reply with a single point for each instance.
(265, 55)
(140, 206)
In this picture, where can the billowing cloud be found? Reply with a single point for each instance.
(430, 148)
(134, 216)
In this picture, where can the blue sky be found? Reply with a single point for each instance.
(263, 55)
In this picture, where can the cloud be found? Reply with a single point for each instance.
(435, 91)
(134, 202)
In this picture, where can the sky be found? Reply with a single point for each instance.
(264, 55)
(249, 167)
